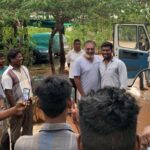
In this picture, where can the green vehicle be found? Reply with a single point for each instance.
(39, 44)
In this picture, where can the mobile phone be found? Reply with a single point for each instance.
(26, 94)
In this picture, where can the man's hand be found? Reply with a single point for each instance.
(77, 81)
(34, 100)
(20, 107)
(75, 116)
(145, 138)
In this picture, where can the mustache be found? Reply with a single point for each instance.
(89, 55)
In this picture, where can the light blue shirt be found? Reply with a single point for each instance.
(52, 136)
(88, 72)
(113, 74)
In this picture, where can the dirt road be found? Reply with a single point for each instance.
(143, 98)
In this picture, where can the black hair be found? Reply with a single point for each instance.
(107, 44)
(53, 93)
(12, 53)
(108, 120)
(76, 40)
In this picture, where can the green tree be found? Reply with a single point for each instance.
(13, 26)
(60, 11)
(94, 18)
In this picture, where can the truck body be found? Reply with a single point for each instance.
(132, 46)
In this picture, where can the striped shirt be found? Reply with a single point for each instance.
(57, 136)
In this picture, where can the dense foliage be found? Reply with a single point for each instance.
(91, 19)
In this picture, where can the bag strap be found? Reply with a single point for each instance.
(13, 77)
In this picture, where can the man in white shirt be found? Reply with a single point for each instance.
(71, 57)
(113, 71)
(15, 80)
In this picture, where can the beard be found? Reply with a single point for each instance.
(89, 56)
(107, 58)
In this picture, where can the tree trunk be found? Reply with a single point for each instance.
(15, 29)
(20, 28)
(50, 51)
(25, 43)
(26, 31)
(16, 26)
(12, 40)
(62, 53)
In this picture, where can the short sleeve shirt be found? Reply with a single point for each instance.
(71, 57)
(24, 81)
(88, 72)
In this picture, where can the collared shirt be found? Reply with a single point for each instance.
(88, 71)
(23, 78)
(58, 136)
(113, 74)
(70, 59)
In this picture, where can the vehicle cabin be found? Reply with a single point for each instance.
(132, 46)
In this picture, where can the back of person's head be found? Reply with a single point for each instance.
(107, 44)
(12, 53)
(53, 94)
(108, 120)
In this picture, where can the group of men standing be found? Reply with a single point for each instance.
(92, 72)
(87, 72)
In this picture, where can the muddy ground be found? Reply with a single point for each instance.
(143, 98)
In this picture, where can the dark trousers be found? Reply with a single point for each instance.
(25, 121)
(75, 89)
(5, 142)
